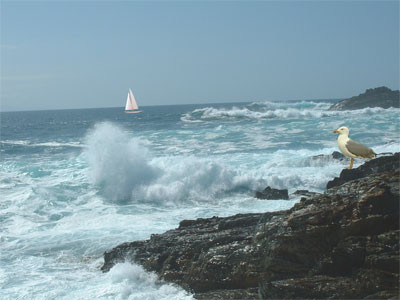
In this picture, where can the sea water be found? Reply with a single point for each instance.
(75, 183)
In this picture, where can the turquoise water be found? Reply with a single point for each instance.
(74, 183)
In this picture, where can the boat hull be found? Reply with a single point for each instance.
(133, 111)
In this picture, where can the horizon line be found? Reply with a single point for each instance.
(183, 104)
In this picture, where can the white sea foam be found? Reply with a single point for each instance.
(271, 105)
(15, 142)
(135, 283)
(57, 144)
(64, 278)
(124, 169)
(390, 147)
(288, 113)
(275, 111)
(117, 162)
(45, 144)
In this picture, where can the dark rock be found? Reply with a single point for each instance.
(340, 244)
(377, 97)
(324, 158)
(304, 193)
(273, 194)
(337, 155)
(239, 294)
(378, 165)
(362, 285)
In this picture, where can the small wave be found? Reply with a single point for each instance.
(390, 147)
(45, 144)
(210, 113)
(135, 283)
(187, 118)
(270, 105)
(11, 142)
(271, 110)
(57, 144)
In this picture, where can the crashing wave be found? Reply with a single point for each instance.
(125, 171)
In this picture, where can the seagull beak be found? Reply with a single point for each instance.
(335, 131)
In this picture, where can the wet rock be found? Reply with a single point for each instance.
(272, 194)
(343, 243)
(324, 159)
(334, 155)
(361, 285)
(378, 165)
(337, 155)
(304, 193)
(239, 294)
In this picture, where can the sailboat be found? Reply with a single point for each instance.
(131, 106)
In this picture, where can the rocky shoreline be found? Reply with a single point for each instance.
(343, 243)
(376, 97)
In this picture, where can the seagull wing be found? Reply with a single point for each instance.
(359, 150)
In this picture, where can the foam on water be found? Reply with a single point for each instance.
(136, 175)
(60, 278)
(135, 283)
(118, 164)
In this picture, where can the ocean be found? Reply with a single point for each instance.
(75, 183)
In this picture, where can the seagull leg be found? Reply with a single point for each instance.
(351, 163)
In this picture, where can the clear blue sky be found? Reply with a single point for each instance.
(87, 54)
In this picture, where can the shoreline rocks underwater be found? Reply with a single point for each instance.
(343, 243)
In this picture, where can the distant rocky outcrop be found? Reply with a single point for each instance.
(340, 244)
(377, 97)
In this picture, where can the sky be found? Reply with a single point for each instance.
(84, 54)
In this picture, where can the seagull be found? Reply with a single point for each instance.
(352, 148)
